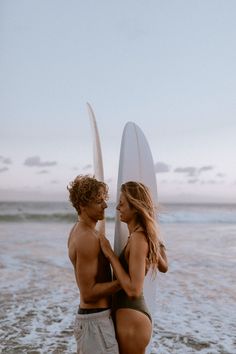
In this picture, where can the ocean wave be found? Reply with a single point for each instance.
(26, 217)
(197, 218)
(196, 214)
(55, 217)
(167, 214)
(163, 219)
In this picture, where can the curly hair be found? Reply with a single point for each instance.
(85, 189)
(139, 198)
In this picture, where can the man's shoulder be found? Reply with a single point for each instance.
(86, 242)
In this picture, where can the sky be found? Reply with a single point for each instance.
(169, 66)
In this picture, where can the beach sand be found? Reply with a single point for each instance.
(195, 302)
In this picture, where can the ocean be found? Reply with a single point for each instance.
(195, 305)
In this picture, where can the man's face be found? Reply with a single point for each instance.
(95, 209)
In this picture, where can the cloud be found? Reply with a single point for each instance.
(43, 172)
(205, 168)
(190, 171)
(220, 175)
(4, 169)
(193, 171)
(5, 160)
(192, 181)
(212, 182)
(36, 161)
(87, 167)
(54, 181)
(161, 167)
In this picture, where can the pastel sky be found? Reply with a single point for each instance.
(169, 66)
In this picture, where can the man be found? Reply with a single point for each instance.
(94, 329)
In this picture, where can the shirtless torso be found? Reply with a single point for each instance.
(91, 267)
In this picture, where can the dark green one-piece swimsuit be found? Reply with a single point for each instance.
(121, 299)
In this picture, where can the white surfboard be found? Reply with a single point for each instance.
(136, 164)
(97, 157)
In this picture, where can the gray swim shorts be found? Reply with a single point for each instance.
(95, 334)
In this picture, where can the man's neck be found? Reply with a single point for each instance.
(87, 222)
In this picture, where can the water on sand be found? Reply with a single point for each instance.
(196, 298)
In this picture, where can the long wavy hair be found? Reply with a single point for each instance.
(139, 198)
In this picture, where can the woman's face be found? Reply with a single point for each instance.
(127, 213)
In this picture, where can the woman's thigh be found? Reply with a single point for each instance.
(133, 330)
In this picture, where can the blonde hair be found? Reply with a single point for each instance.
(139, 198)
(84, 190)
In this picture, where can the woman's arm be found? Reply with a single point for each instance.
(131, 283)
(162, 261)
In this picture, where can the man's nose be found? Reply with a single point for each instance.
(105, 205)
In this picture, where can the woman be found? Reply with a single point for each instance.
(142, 251)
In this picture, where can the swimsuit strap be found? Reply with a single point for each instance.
(135, 229)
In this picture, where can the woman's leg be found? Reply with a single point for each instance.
(133, 330)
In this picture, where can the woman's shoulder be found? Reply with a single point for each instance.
(138, 235)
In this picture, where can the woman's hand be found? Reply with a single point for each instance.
(105, 246)
(162, 262)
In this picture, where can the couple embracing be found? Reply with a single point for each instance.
(113, 317)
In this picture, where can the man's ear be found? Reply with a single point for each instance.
(82, 208)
